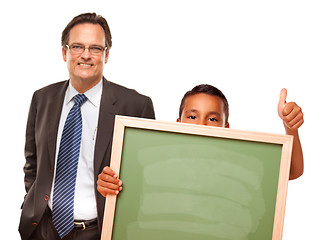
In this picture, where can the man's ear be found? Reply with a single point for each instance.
(64, 54)
(107, 56)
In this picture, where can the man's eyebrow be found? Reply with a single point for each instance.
(92, 45)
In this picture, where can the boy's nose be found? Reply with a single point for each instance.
(201, 122)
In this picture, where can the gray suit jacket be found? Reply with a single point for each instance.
(41, 137)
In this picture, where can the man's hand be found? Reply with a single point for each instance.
(108, 182)
(290, 113)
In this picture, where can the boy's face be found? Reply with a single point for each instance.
(204, 109)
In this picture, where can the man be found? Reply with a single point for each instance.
(77, 115)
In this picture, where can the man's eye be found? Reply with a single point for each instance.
(96, 48)
(76, 47)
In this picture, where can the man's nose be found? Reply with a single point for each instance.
(85, 54)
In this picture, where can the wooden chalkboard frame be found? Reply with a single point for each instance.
(121, 122)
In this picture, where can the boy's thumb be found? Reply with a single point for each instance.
(283, 95)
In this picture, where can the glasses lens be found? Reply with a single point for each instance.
(96, 50)
(76, 48)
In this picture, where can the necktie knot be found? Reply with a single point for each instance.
(80, 99)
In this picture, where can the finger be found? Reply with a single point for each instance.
(108, 185)
(109, 179)
(283, 95)
(105, 191)
(290, 110)
(294, 126)
(110, 172)
(298, 124)
(296, 121)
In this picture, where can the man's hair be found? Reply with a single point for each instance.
(207, 89)
(92, 18)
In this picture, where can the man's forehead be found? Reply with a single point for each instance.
(87, 31)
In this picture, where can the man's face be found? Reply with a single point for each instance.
(86, 66)
(204, 109)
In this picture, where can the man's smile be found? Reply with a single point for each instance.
(86, 64)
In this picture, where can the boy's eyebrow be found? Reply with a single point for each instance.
(196, 111)
(191, 110)
(214, 113)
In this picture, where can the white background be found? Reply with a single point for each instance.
(248, 49)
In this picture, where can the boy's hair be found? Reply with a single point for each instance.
(92, 18)
(207, 89)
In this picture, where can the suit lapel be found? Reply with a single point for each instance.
(55, 108)
(106, 118)
(105, 130)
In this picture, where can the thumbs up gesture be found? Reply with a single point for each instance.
(290, 113)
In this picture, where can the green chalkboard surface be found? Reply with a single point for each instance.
(187, 186)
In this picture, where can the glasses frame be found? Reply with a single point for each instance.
(84, 49)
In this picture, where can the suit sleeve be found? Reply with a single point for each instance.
(30, 167)
(148, 109)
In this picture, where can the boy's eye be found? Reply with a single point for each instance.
(213, 119)
(192, 117)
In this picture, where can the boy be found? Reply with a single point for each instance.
(207, 105)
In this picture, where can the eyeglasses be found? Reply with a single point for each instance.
(78, 49)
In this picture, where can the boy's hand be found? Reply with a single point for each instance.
(108, 182)
(290, 113)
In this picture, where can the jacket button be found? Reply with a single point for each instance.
(35, 224)
(46, 197)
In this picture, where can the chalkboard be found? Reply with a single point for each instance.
(185, 181)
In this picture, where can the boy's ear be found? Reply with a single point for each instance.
(227, 125)
(178, 120)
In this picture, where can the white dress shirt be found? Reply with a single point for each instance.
(84, 201)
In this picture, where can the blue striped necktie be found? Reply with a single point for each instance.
(66, 170)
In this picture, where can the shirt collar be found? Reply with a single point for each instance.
(93, 95)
